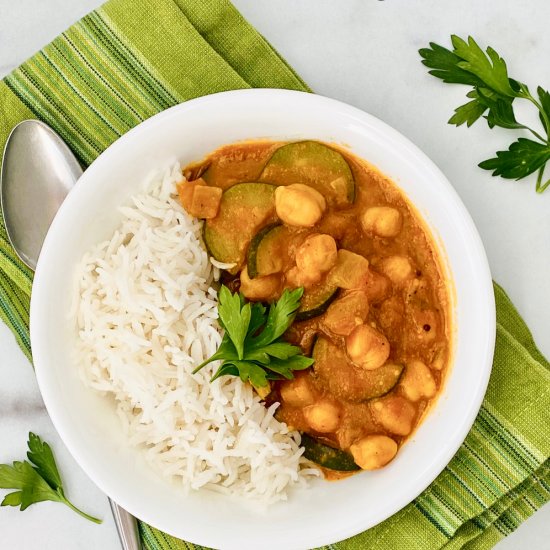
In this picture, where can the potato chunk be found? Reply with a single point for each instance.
(347, 312)
(373, 451)
(317, 254)
(351, 270)
(297, 392)
(206, 201)
(299, 205)
(383, 221)
(394, 413)
(367, 347)
(323, 417)
(260, 288)
(418, 382)
(185, 191)
(199, 199)
(398, 269)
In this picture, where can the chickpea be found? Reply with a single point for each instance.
(383, 221)
(418, 382)
(299, 205)
(295, 278)
(323, 417)
(297, 392)
(394, 413)
(378, 286)
(367, 347)
(347, 312)
(373, 451)
(260, 288)
(397, 268)
(316, 255)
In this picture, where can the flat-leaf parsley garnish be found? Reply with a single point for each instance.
(35, 480)
(492, 95)
(252, 347)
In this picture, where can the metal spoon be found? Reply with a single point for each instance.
(38, 171)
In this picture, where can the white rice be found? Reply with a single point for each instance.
(146, 314)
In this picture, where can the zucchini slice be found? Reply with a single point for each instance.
(244, 209)
(268, 252)
(315, 300)
(327, 457)
(343, 379)
(314, 164)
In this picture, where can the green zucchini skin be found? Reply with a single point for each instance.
(252, 260)
(327, 457)
(314, 164)
(316, 300)
(348, 382)
(244, 208)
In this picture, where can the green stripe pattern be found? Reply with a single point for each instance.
(131, 59)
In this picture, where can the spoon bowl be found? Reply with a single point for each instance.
(38, 171)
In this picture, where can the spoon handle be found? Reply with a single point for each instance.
(126, 526)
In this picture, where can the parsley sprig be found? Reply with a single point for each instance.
(491, 97)
(35, 480)
(252, 346)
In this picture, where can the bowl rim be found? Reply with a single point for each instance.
(39, 295)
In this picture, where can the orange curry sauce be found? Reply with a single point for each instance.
(401, 306)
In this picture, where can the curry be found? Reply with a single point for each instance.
(374, 313)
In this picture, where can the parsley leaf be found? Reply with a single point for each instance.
(256, 318)
(468, 113)
(489, 67)
(444, 65)
(280, 317)
(226, 351)
(252, 347)
(234, 318)
(285, 367)
(492, 96)
(524, 157)
(41, 455)
(226, 369)
(36, 481)
(32, 487)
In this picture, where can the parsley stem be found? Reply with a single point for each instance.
(537, 135)
(80, 512)
(542, 114)
(541, 187)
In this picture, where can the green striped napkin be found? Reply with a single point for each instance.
(131, 59)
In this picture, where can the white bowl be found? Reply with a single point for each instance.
(87, 423)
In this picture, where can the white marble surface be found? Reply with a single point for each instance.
(363, 52)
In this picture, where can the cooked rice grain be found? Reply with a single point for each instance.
(146, 316)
